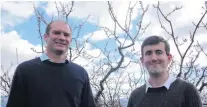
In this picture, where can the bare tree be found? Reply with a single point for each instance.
(5, 80)
(107, 69)
(121, 45)
(191, 72)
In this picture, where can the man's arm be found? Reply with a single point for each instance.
(130, 103)
(17, 95)
(87, 95)
(192, 97)
(136, 96)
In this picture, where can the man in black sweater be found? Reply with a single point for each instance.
(162, 89)
(51, 80)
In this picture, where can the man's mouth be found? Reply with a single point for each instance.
(60, 43)
(154, 63)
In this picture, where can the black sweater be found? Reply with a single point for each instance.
(46, 84)
(180, 94)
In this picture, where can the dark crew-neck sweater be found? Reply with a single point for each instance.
(180, 94)
(47, 84)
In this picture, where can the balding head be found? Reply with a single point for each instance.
(48, 28)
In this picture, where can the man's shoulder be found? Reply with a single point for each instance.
(183, 82)
(188, 84)
(77, 67)
(25, 66)
(139, 90)
(30, 62)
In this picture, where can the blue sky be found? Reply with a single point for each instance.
(18, 19)
(19, 27)
(28, 29)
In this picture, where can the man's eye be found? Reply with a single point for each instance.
(66, 34)
(158, 52)
(57, 32)
(148, 53)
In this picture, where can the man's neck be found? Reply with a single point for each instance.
(56, 58)
(158, 81)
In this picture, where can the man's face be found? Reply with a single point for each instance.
(59, 37)
(155, 59)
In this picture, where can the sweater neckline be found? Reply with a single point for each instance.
(54, 64)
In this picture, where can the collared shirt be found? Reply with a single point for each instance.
(44, 57)
(167, 83)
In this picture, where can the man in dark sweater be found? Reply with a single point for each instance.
(51, 80)
(162, 89)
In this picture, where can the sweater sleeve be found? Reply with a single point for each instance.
(87, 99)
(130, 102)
(136, 96)
(192, 98)
(17, 95)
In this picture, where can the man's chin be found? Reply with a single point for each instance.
(154, 73)
(60, 51)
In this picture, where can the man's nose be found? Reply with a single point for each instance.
(62, 36)
(154, 57)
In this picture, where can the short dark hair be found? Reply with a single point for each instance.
(49, 26)
(153, 40)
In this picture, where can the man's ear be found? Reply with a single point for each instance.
(169, 57)
(141, 59)
(45, 37)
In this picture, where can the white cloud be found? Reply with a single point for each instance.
(181, 19)
(120, 9)
(125, 42)
(81, 9)
(11, 46)
(96, 36)
(135, 48)
(19, 9)
(88, 52)
(12, 42)
(16, 12)
(81, 61)
(191, 12)
(98, 12)
(94, 52)
(201, 38)
(88, 46)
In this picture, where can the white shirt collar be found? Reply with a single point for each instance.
(45, 57)
(167, 83)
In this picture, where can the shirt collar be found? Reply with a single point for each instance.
(167, 83)
(44, 57)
